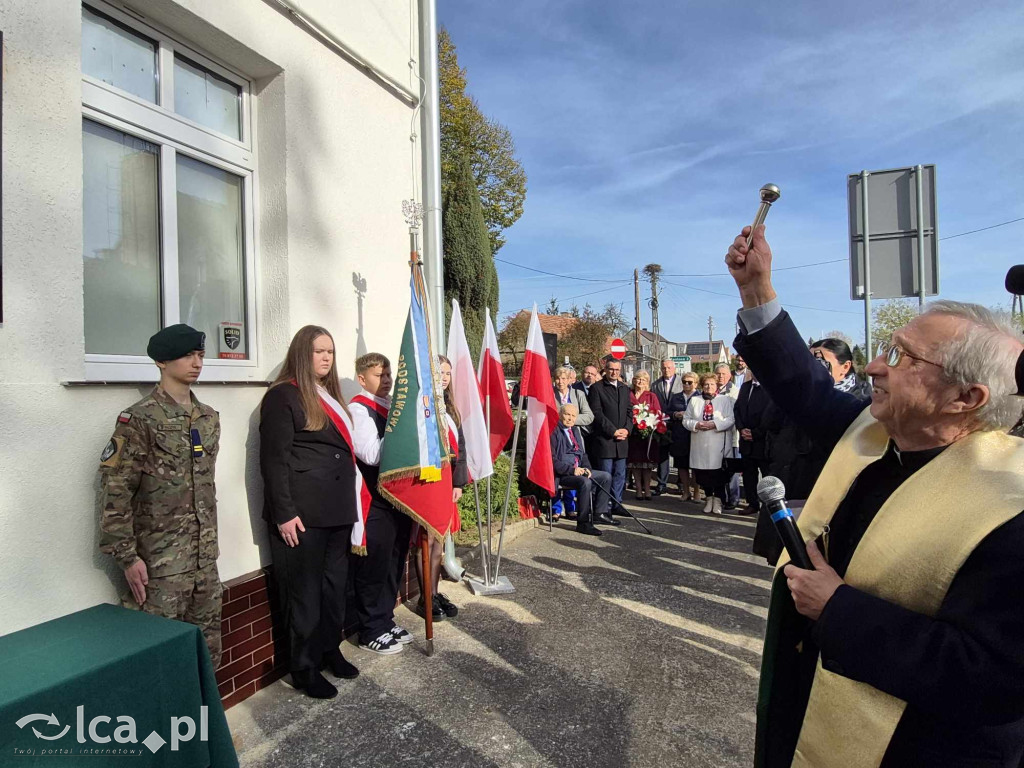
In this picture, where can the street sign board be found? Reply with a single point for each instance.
(893, 242)
(617, 348)
(681, 359)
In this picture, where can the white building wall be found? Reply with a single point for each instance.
(335, 163)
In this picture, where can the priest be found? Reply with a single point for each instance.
(905, 645)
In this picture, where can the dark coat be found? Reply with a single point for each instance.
(563, 454)
(961, 672)
(680, 447)
(612, 411)
(305, 474)
(749, 413)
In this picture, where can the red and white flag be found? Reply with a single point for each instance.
(466, 394)
(541, 411)
(492, 382)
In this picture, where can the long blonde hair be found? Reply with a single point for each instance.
(449, 401)
(298, 367)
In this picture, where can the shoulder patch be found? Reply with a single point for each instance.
(111, 456)
(125, 417)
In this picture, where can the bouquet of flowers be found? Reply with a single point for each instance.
(647, 423)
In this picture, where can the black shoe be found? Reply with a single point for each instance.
(657, 492)
(313, 684)
(748, 511)
(607, 520)
(436, 610)
(451, 610)
(588, 529)
(339, 665)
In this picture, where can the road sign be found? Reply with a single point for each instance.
(893, 206)
(681, 359)
(618, 348)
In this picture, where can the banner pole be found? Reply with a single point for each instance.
(428, 603)
(508, 487)
(489, 534)
(480, 533)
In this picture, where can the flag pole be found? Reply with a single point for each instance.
(480, 533)
(508, 487)
(428, 603)
(487, 547)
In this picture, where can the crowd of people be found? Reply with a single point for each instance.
(328, 522)
(719, 430)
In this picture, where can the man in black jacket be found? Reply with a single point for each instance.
(749, 412)
(905, 645)
(613, 421)
(573, 470)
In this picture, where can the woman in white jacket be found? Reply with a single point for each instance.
(710, 418)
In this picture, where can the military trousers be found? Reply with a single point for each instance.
(377, 576)
(192, 596)
(311, 579)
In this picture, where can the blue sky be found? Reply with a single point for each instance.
(646, 130)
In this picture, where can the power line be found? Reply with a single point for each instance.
(733, 296)
(774, 269)
(578, 296)
(983, 229)
(555, 274)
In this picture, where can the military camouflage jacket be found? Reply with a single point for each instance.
(158, 498)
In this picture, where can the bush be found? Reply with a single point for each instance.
(467, 504)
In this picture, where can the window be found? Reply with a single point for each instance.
(168, 177)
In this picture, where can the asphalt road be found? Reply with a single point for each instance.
(624, 650)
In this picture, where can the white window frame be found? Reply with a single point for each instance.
(174, 134)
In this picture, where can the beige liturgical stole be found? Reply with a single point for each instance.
(909, 555)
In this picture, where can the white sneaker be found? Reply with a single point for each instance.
(385, 645)
(716, 507)
(708, 505)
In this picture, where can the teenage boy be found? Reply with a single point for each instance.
(158, 500)
(377, 576)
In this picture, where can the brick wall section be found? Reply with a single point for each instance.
(252, 633)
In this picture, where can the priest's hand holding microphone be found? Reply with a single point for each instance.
(750, 263)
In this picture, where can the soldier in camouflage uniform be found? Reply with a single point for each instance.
(159, 507)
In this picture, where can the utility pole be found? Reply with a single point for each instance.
(636, 298)
(652, 272)
(711, 343)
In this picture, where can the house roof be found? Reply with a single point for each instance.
(556, 324)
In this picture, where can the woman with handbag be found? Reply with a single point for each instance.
(314, 501)
(644, 447)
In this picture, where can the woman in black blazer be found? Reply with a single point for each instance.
(310, 502)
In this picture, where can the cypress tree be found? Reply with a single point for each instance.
(469, 273)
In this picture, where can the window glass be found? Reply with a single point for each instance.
(117, 56)
(121, 238)
(206, 98)
(211, 256)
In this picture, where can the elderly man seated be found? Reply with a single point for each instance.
(573, 470)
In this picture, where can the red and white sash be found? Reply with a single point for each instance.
(371, 404)
(340, 419)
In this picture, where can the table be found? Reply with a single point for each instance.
(71, 688)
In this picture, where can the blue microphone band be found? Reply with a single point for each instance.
(784, 512)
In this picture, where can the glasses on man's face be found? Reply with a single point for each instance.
(894, 353)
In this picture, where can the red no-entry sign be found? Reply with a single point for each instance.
(618, 348)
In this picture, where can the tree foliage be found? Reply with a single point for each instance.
(467, 133)
(512, 338)
(468, 265)
(888, 318)
(836, 334)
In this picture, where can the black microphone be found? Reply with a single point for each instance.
(1015, 280)
(772, 494)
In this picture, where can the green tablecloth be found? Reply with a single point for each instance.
(112, 663)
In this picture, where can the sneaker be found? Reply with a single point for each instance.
(450, 609)
(402, 637)
(716, 508)
(709, 505)
(385, 645)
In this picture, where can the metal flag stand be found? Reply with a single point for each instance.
(492, 583)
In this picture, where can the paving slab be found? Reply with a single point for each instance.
(624, 650)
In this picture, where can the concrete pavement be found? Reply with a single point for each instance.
(624, 650)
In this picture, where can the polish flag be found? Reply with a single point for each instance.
(491, 376)
(541, 411)
(466, 394)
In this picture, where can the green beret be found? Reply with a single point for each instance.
(175, 341)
